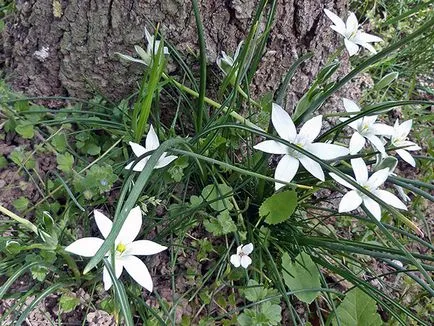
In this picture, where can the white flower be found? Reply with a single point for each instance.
(365, 128)
(241, 258)
(126, 248)
(226, 62)
(152, 143)
(353, 36)
(288, 165)
(399, 139)
(146, 56)
(354, 198)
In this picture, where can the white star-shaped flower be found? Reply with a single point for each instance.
(288, 165)
(146, 56)
(225, 62)
(353, 36)
(399, 139)
(354, 198)
(241, 258)
(365, 128)
(126, 249)
(152, 143)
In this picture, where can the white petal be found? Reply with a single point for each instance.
(311, 129)
(339, 23)
(130, 58)
(350, 106)
(410, 146)
(106, 276)
(152, 141)
(282, 122)
(162, 162)
(140, 165)
(352, 48)
(373, 207)
(86, 247)
(248, 248)
(131, 227)
(236, 260)
(404, 128)
(357, 142)
(327, 151)
(350, 201)
(103, 222)
(406, 156)
(369, 47)
(143, 247)
(271, 147)
(341, 31)
(360, 170)
(362, 37)
(381, 129)
(352, 24)
(138, 271)
(138, 150)
(149, 37)
(245, 261)
(390, 199)
(143, 54)
(285, 170)
(313, 167)
(342, 181)
(378, 178)
(378, 144)
(239, 249)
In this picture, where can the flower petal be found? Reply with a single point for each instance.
(377, 143)
(138, 271)
(282, 122)
(138, 150)
(381, 129)
(390, 199)
(378, 178)
(248, 248)
(350, 201)
(338, 30)
(360, 170)
(342, 181)
(106, 276)
(352, 23)
(373, 207)
(357, 142)
(368, 47)
(313, 167)
(152, 141)
(131, 227)
(271, 147)
(143, 247)
(285, 170)
(139, 166)
(327, 151)
(246, 261)
(236, 260)
(86, 247)
(410, 146)
(404, 128)
(143, 54)
(162, 162)
(103, 222)
(311, 129)
(339, 23)
(406, 156)
(130, 58)
(352, 48)
(350, 106)
(362, 37)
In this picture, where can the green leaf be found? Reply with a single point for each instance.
(65, 162)
(21, 204)
(59, 142)
(254, 292)
(358, 308)
(218, 196)
(25, 130)
(386, 80)
(221, 225)
(68, 302)
(279, 207)
(3, 162)
(93, 149)
(301, 275)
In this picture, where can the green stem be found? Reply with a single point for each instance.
(71, 263)
(29, 225)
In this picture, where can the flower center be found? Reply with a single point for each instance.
(120, 248)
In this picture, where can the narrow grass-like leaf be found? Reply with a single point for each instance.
(14, 277)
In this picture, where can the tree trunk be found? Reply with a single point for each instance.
(59, 47)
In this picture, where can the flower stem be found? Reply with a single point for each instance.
(27, 224)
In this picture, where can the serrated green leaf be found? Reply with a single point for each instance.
(20, 204)
(65, 162)
(358, 308)
(25, 130)
(221, 225)
(93, 149)
(218, 197)
(68, 302)
(255, 292)
(279, 207)
(59, 142)
(302, 274)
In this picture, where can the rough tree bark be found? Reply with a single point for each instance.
(59, 47)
